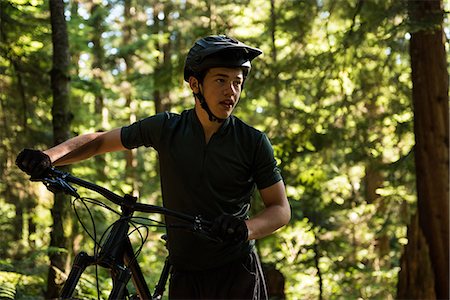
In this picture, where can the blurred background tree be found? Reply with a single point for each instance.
(333, 91)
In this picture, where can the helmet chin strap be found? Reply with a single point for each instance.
(205, 106)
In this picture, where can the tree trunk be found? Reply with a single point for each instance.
(274, 55)
(430, 102)
(317, 256)
(157, 9)
(275, 282)
(162, 74)
(131, 158)
(97, 23)
(416, 279)
(61, 132)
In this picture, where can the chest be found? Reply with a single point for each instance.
(223, 163)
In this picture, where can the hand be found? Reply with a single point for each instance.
(230, 229)
(33, 162)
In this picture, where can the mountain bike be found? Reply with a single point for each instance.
(115, 251)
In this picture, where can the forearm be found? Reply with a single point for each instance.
(74, 149)
(269, 220)
(85, 146)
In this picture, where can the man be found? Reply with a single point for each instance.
(210, 163)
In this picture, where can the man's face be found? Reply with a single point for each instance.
(222, 89)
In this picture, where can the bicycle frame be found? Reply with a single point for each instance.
(121, 273)
(116, 256)
(117, 253)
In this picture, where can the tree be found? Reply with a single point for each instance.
(61, 132)
(425, 264)
(98, 53)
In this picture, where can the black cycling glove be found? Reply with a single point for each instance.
(230, 229)
(33, 162)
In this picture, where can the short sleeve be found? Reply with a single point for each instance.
(145, 132)
(266, 172)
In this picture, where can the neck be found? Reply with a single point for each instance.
(209, 127)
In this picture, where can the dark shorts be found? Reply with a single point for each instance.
(241, 279)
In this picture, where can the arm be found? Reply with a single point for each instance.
(276, 213)
(85, 146)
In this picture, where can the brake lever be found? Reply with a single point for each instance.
(198, 228)
(57, 184)
(198, 223)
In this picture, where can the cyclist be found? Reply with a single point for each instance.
(210, 163)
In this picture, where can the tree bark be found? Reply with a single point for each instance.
(131, 155)
(97, 23)
(275, 282)
(430, 103)
(416, 279)
(61, 132)
(317, 256)
(163, 68)
(274, 55)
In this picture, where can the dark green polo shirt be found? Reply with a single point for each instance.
(205, 179)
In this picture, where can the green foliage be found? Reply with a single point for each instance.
(7, 291)
(332, 91)
(23, 279)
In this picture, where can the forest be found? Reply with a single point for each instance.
(353, 95)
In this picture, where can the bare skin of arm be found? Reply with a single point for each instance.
(85, 146)
(276, 214)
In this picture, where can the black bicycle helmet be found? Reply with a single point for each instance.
(218, 51)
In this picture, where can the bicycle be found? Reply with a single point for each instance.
(116, 252)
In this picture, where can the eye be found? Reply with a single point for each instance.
(237, 84)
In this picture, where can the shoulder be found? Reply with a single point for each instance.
(244, 128)
(162, 118)
(248, 135)
(167, 115)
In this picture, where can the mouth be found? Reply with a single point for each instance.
(227, 104)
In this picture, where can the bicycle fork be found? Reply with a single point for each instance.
(116, 255)
(82, 260)
(120, 274)
(161, 286)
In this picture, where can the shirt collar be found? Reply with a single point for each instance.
(222, 129)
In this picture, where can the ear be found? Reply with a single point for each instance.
(194, 84)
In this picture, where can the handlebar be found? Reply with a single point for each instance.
(58, 181)
(116, 251)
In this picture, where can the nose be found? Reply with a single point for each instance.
(230, 90)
